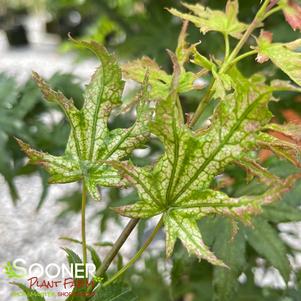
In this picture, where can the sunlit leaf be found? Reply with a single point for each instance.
(214, 20)
(159, 80)
(91, 142)
(178, 185)
(285, 58)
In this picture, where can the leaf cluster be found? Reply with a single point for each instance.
(182, 186)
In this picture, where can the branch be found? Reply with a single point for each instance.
(114, 250)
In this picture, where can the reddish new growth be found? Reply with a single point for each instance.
(292, 14)
(268, 36)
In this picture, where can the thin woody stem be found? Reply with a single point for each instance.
(203, 104)
(114, 250)
(260, 16)
(137, 255)
(255, 23)
(241, 57)
(227, 45)
(83, 226)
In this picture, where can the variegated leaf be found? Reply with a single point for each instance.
(214, 20)
(159, 80)
(282, 55)
(178, 185)
(187, 231)
(91, 142)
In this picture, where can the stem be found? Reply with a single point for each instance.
(257, 20)
(261, 14)
(137, 255)
(84, 243)
(203, 104)
(114, 250)
(227, 46)
(239, 58)
(272, 11)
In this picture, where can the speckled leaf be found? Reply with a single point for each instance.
(284, 149)
(291, 130)
(178, 184)
(282, 55)
(188, 232)
(214, 20)
(159, 80)
(255, 169)
(91, 142)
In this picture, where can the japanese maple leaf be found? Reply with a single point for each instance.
(91, 143)
(178, 185)
(214, 20)
(283, 55)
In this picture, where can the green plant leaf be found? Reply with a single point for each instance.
(178, 184)
(188, 232)
(91, 143)
(114, 292)
(281, 213)
(282, 55)
(214, 20)
(159, 80)
(265, 240)
(94, 256)
(32, 295)
(231, 249)
(284, 149)
(80, 285)
(10, 271)
(72, 257)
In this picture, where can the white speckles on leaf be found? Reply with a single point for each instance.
(91, 143)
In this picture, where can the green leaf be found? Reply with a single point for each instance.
(178, 185)
(159, 80)
(80, 283)
(188, 232)
(91, 142)
(281, 213)
(291, 130)
(72, 257)
(214, 20)
(283, 149)
(265, 240)
(95, 258)
(114, 292)
(223, 84)
(32, 295)
(201, 60)
(232, 251)
(10, 271)
(281, 55)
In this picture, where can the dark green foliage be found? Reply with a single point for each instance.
(115, 292)
(21, 113)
